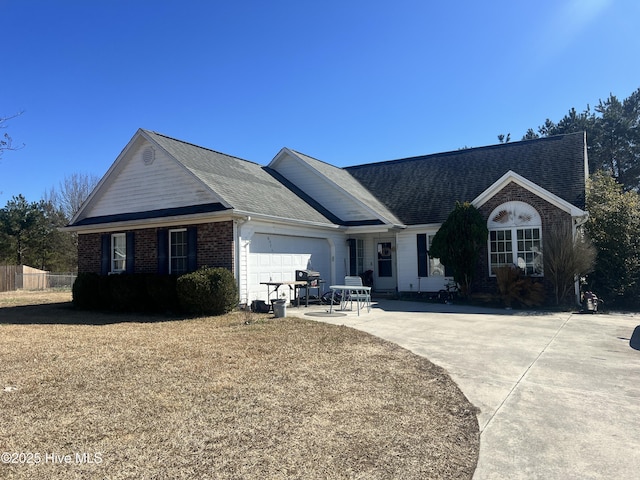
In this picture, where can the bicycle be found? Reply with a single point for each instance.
(449, 293)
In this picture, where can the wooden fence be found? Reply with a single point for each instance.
(22, 277)
(8, 277)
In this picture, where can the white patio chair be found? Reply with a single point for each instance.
(361, 296)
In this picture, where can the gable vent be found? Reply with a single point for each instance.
(148, 155)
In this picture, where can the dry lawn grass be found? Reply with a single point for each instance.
(217, 398)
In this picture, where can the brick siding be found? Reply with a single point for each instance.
(89, 248)
(215, 248)
(551, 216)
(216, 245)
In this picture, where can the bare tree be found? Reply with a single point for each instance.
(73, 190)
(6, 142)
(72, 193)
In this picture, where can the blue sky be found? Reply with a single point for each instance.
(347, 82)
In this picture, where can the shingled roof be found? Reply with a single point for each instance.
(421, 190)
(243, 185)
(344, 180)
(409, 191)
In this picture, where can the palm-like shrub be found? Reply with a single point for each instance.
(516, 288)
(566, 258)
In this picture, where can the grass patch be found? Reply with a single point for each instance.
(236, 396)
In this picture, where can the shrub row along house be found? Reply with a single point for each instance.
(167, 206)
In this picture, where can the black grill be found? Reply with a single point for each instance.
(307, 276)
(312, 279)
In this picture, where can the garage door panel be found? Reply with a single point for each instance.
(275, 258)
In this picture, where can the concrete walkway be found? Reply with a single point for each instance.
(559, 394)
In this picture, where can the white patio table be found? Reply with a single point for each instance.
(350, 293)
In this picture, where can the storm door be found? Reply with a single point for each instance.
(385, 271)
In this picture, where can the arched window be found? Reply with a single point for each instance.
(515, 238)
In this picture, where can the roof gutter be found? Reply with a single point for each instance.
(284, 220)
(354, 230)
(179, 220)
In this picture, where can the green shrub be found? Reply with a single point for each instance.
(86, 291)
(208, 290)
(458, 242)
(104, 292)
(127, 292)
(161, 293)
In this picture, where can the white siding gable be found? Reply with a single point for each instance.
(318, 187)
(137, 186)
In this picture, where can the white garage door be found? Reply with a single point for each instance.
(275, 258)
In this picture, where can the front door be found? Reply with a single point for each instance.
(385, 267)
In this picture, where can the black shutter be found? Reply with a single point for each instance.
(131, 252)
(105, 254)
(352, 256)
(163, 251)
(192, 249)
(423, 271)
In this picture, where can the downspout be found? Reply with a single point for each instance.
(332, 250)
(577, 223)
(581, 220)
(237, 223)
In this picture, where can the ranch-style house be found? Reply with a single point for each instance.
(168, 206)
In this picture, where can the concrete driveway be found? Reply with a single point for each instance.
(558, 393)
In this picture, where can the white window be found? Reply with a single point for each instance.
(500, 248)
(356, 256)
(515, 238)
(118, 252)
(360, 256)
(178, 249)
(428, 266)
(436, 269)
